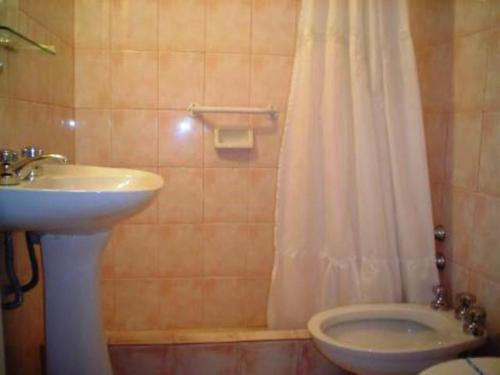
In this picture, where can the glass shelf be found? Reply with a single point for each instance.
(11, 39)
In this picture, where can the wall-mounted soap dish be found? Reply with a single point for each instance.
(233, 138)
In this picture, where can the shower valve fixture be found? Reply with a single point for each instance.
(464, 302)
(439, 233)
(440, 300)
(475, 321)
(14, 171)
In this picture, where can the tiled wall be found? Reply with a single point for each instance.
(202, 253)
(284, 357)
(36, 94)
(458, 53)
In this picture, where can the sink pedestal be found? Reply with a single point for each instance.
(75, 340)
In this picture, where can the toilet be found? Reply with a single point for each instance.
(389, 339)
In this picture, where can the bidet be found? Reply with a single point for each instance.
(383, 339)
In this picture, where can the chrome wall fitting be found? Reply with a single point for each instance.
(440, 301)
(440, 233)
(464, 302)
(475, 321)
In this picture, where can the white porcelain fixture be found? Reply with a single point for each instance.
(381, 339)
(469, 366)
(74, 208)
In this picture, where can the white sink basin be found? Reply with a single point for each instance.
(75, 199)
(74, 208)
(398, 339)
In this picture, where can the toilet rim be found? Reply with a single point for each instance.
(422, 314)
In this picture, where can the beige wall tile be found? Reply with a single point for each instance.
(136, 250)
(207, 358)
(492, 94)
(181, 250)
(228, 26)
(267, 133)
(225, 194)
(134, 24)
(256, 293)
(181, 79)
(140, 359)
(92, 27)
(93, 137)
(137, 304)
(471, 16)
(463, 147)
(61, 71)
(436, 77)
(223, 302)
(92, 79)
(273, 26)
(135, 138)
(134, 79)
(435, 140)
(181, 302)
(224, 249)
(489, 171)
(180, 140)
(227, 79)
(262, 194)
(182, 25)
(458, 219)
(60, 137)
(270, 80)
(469, 71)
(270, 358)
(488, 293)
(485, 258)
(260, 257)
(181, 198)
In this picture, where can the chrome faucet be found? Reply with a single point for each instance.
(440, 301)
(28, 168)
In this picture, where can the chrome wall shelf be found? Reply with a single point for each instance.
(11, 39)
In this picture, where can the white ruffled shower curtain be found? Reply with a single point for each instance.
(353, 216)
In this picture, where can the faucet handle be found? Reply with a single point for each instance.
(31, 152)
(8, 156)
(475, 321)
(465, 298)
(464, 302)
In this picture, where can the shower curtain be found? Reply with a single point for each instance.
(353, 215)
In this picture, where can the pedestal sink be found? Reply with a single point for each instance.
(74, 208)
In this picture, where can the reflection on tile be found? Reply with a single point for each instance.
(180, 140)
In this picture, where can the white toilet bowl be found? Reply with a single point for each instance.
(382, 339)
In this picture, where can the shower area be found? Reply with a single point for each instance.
(189, 277)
